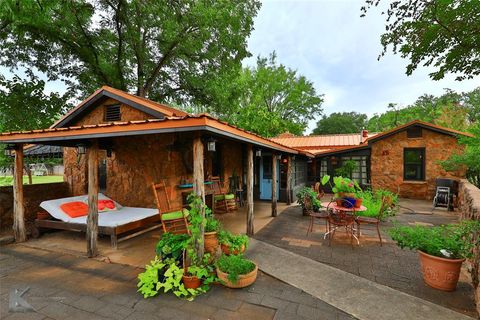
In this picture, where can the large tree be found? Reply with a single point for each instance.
(341, 122)
(441, 34)
(270, 99)
(166, 50)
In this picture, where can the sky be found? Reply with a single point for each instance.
(330, 44)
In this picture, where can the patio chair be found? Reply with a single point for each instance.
(174, 220)
(222, 201)
(342, 219)
(373, 220)
(322, 215)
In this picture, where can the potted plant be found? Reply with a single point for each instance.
(442, 250)
(212, 226)
(234, 271)
(172, 246)
(231, 243)
(308, 192)
(198, 273)
(344, 189)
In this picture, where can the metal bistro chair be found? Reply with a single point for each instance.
(373, 220)
(339, 219)
(322, 215)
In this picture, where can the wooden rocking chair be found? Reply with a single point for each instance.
(222, 201)
(174, 220)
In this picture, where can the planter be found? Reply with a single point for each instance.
(42, 215)
(226, 249)
(243, 281)
(191, 282)
(358, 202)
(211, 242)
(339, 202)
(440, 273)
(349, 202)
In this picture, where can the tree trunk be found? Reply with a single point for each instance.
(18, 205)
(274, 185)
(250, 215)
(92, 219)
(199, 189)
(289, 180)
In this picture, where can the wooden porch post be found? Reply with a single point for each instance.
(92, 219)
(199, 187)
(250, 229)
(289, 180)
(274, 184)
(18, 205)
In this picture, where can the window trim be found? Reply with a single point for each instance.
(423, 166)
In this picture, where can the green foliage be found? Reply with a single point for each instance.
(234, 266)
(212, 224)
(341, 122)
(204, 270)
(449, 241)
(308, 192)
(440, 34)
(347, 168)
(172, 245)
(234, 242)
(166, 50)
(373, 202)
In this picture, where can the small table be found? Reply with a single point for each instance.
(345, 217)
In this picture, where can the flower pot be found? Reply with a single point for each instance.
(243, 281)
(440, 273)
(226, 249)
(348, 202)
(358, 202)
(348, 195)
(191, 282)
(339, 202)
(211, 242)
(42, 215)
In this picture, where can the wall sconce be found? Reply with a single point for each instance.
(109, 152)
(81, 149)
(9, 150)
(285, 160)
(211, 144)
(258, 153)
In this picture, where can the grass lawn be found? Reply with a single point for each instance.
(8, 180)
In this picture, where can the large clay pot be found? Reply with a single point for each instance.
(440, 273)
(211, 242)
(226, 250)
(243, 281)
(191, 282)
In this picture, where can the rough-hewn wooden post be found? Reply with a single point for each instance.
(18, 205)
(289, 180)
(92, 219)
(250, 216)
(274, 185)
(199, 188)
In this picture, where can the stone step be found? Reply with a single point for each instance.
(357, 296)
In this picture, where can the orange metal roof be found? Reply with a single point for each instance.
(318, 141)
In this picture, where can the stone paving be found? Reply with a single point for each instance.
(387, 265)
(64, 286)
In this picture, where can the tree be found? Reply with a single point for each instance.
(442, 34)
(166, 50)
(341, 122)
(270, 99)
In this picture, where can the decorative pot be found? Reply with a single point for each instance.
(42, 215)
(226, 249)
(244, 280)
(349, 202)
(339, 202)
(358, 202)
(440, 273)
(191, 282)
(211, 242)
(348, 195)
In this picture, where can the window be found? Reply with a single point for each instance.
(360, 173)
(300, 174)
(414, 132)
(217, 165)
(112, 113)
(414, 164)
(267, 167)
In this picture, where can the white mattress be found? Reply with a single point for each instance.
(121, 216)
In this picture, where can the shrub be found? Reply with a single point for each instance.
(172, 245)
(235, 242)
(308, 192)
(234, 266)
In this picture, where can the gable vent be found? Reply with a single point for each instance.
(112, 113)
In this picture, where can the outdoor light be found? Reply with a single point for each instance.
(81, 149)
(211, 144)
(258, 153)
(285, 160)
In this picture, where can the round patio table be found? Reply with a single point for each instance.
(333, 205)
(344, 214)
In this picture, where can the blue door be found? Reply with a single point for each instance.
(266, 177)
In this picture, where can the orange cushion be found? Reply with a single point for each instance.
(106, 205)
(75, 209)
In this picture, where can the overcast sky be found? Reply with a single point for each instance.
(332, 46)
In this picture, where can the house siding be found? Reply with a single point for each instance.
(387, 162)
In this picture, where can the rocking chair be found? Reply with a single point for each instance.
(173, 220)
(222, 201)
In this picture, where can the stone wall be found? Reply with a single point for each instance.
(387, 163)
(469, 208)
(96, 115)
(34, 194)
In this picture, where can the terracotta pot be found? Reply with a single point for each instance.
(358, 202)
(226, 249)
(243, 281)
(440, 273)
(42, 215)
(191, 282)
(211, 242)
(339, 202)
(348, 195)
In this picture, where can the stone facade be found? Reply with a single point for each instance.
(387, 162)
(34, 194)
(97, 115)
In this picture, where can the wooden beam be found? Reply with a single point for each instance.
(289, 180)
(199, 188)
(274, 184)
(250, 216)
(18, 200)
(92, 219)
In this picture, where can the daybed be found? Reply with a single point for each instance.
(128, 221)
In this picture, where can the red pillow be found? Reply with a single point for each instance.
(75, 209)
(106, 205)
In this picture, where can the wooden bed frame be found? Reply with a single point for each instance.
(131, 229)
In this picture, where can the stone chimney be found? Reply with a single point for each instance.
(364, 133)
